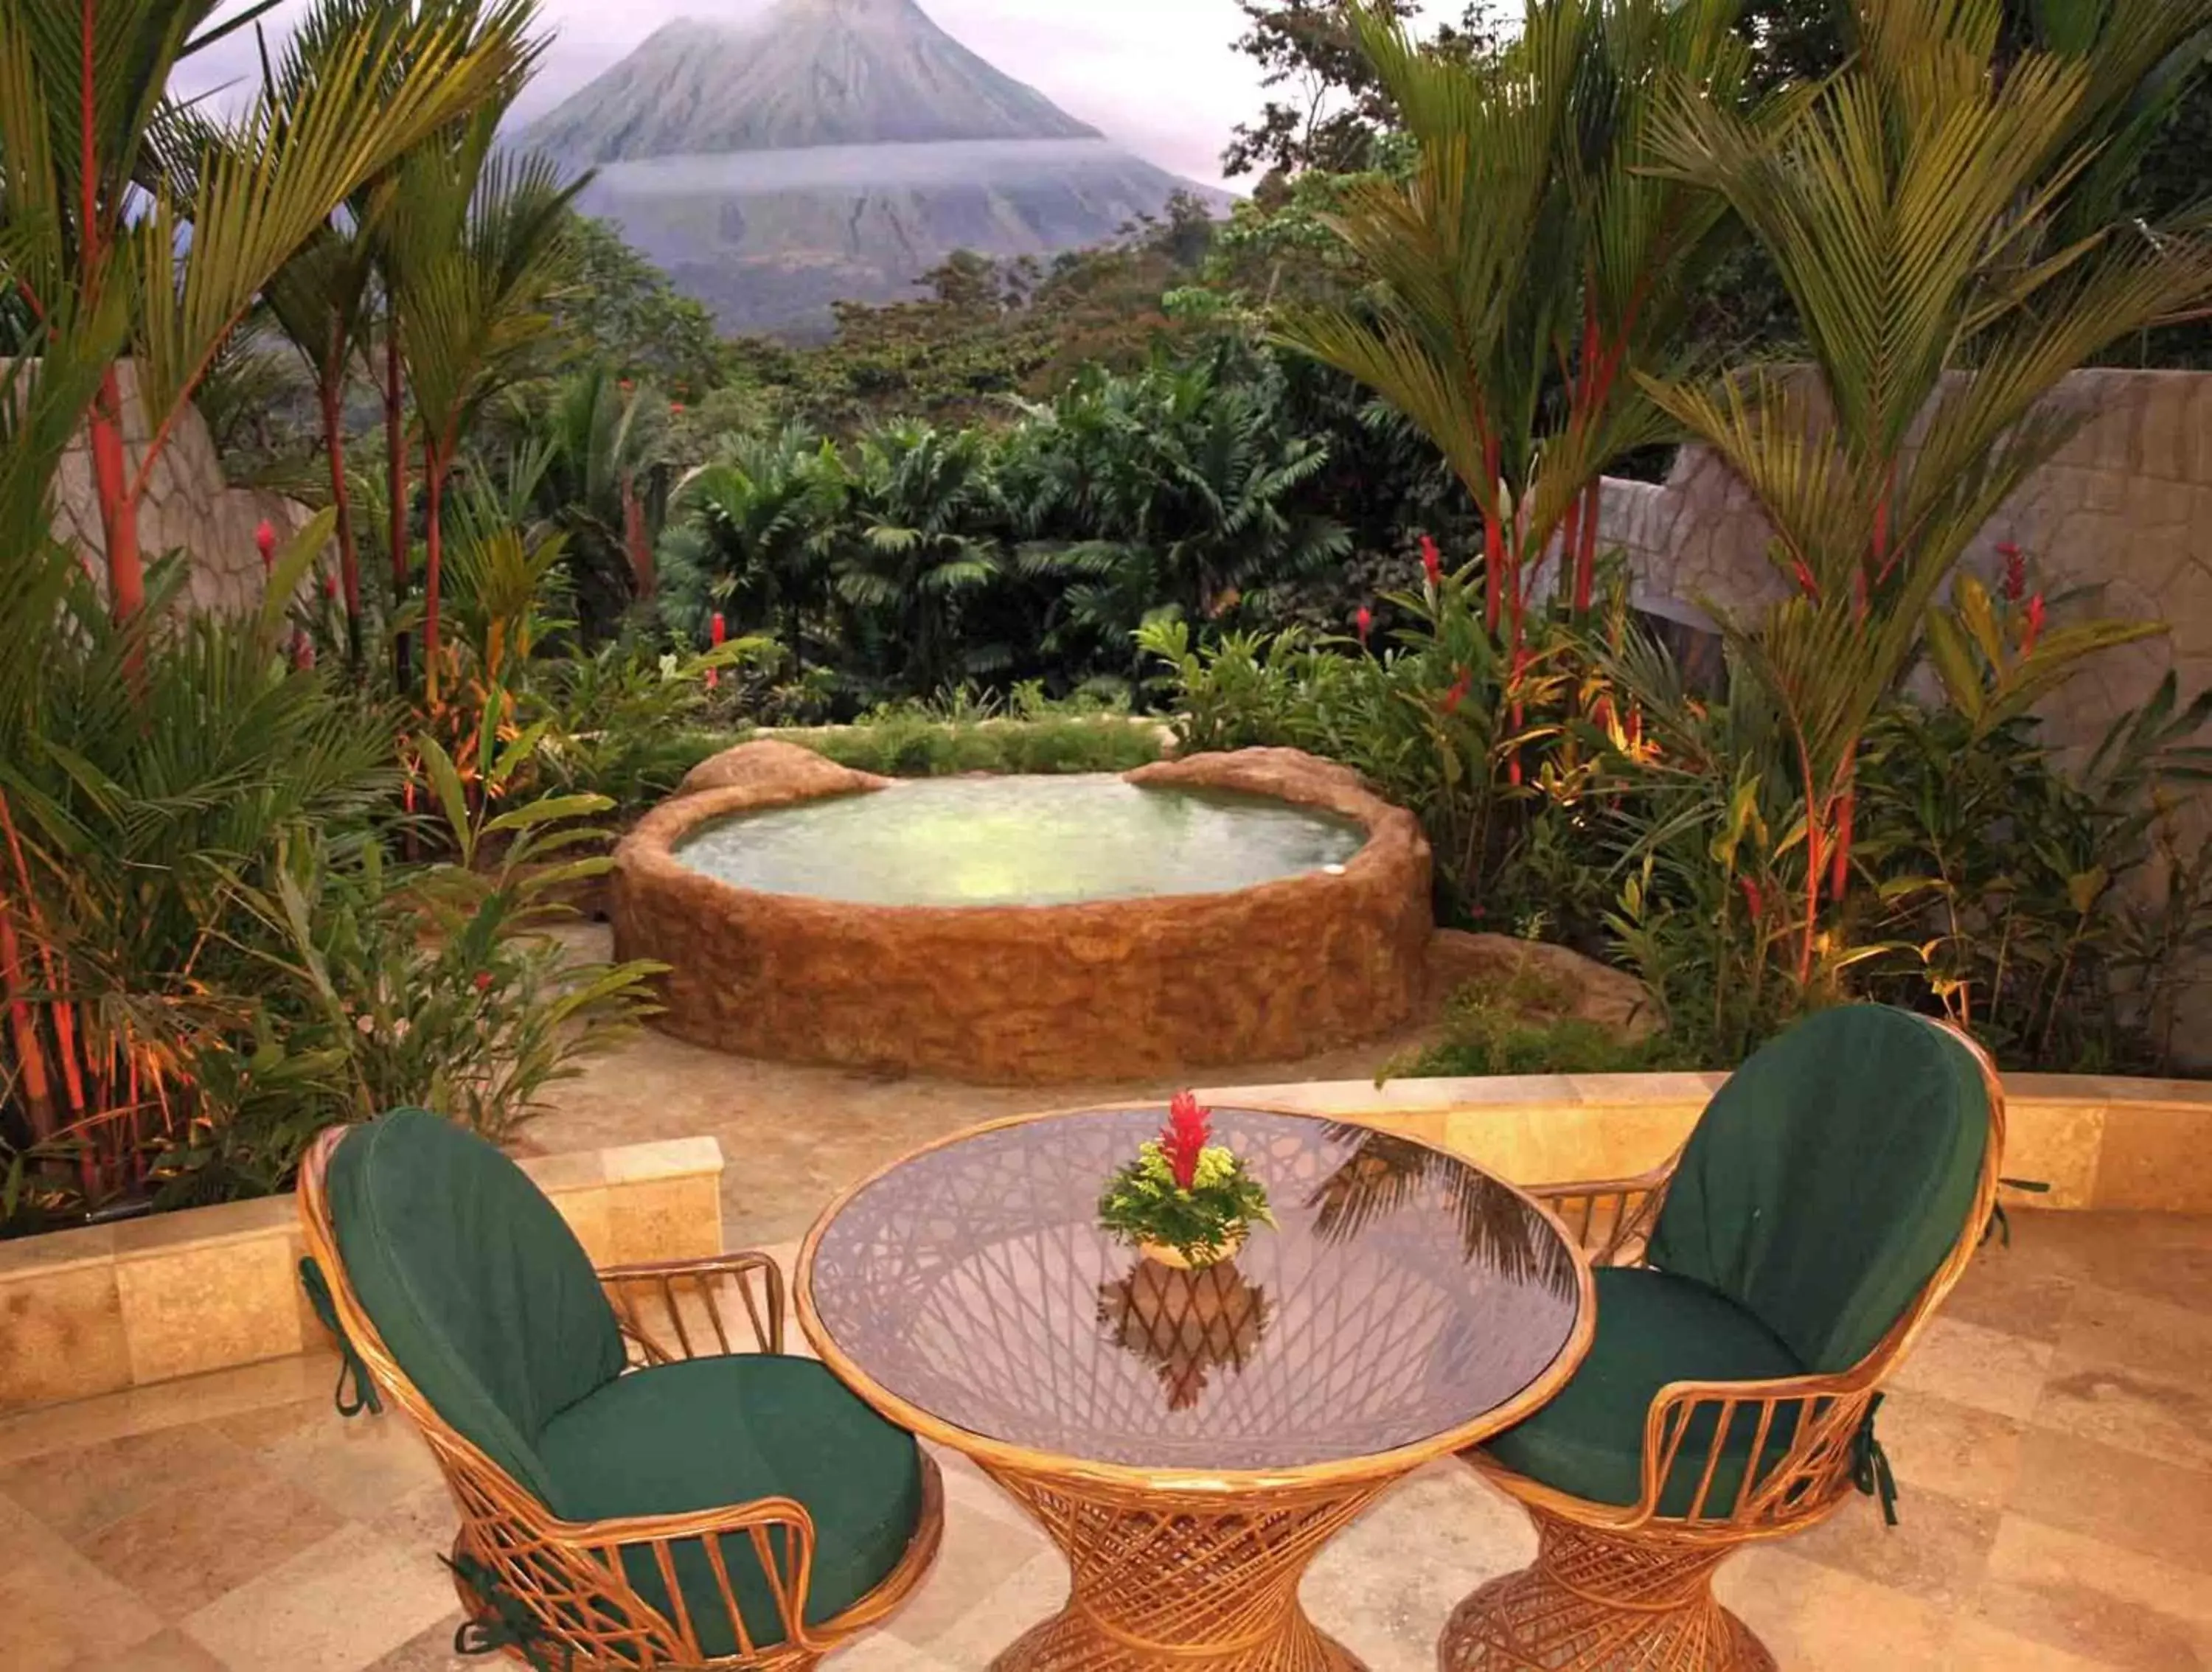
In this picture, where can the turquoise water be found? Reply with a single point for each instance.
(1036, 840)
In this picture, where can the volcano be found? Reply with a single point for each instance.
(824, 150)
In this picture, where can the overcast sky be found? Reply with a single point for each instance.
(1161, 76)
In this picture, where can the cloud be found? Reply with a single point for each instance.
(1161, 76)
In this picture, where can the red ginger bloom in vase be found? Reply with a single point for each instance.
(1184, 1138)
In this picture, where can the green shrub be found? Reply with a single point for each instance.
(1486, 1033)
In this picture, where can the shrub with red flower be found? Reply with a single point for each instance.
(1184, 1191)
(1432, 561)
(1458, 693)
(1363, 622)
(2015, 571)
(264, 541)
(2036, 613)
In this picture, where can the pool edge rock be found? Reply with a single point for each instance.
(1037, 993)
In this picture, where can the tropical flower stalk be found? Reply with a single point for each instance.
(1184, 1193)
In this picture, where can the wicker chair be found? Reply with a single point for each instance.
(634, 1490)
(1752, 1297)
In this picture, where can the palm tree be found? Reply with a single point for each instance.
(111, 195)
(924, 504)
(1528, 239)
(606, 486)
(1921, 209)
(476, 242)
(767, 516)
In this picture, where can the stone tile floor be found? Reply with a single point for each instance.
(2053, 1436)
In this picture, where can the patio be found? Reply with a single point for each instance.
(2052, 1436)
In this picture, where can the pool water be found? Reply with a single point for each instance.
(1020, 841)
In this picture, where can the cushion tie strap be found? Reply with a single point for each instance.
(1870, 1471)
(350, 1368)
(511, 1625)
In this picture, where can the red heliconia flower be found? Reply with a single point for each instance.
(718, 630)
(1363, 622)
(1432, 561)
(264, 540)
(2035, 615)
(1753, 898)
(483, 981)
(2015, 571)
(625, 386)
(1460, 688)
(676, 406)
(331, 588)
(1184, 1138)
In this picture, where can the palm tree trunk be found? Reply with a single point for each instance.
(395, 453)
(333, 399)
(118, 506)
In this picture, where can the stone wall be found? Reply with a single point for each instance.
(2126, 506)
(190, 506)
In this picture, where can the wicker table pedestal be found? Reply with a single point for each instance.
(1192, 1439)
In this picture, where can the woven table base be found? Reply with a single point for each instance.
(1602, 1602)
(1183, 1581)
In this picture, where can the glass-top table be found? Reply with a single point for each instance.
(1192, 1439)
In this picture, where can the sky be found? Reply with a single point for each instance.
(1161, 77)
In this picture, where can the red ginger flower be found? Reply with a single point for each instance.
(2015, 571)
(1432, 561)
(1753, 898)
(1460, 688)
(483, 981)
(1184, 1138)
(265, 540)
(1363, 622)
(2035, 615)
(719, 631)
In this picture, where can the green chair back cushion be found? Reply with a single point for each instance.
(711, 1432)
(1652, 1329)
(1830, 1178)
(477, 1287)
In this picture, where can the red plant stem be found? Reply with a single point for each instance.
(1493, 542)
(433, 490)
(118, 507)
(333, 398)
(1570, 535)
(395, 453)
(30, 1052)
(1815, 853)
(1586, 558)
(1839, 879)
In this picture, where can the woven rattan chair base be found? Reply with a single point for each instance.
(1599, 1601)
(1195, 1581)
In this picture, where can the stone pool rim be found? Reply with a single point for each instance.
(1355, 973)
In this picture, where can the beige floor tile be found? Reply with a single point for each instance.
(429, 1651)
(1937, 1552)
(78, 1493)
(1978, 1646)
(2119, 1496)
(2166, 1419)
(57, 1610)
(185, 1550)
(359, 1466)
(880, 1651)
(2094, 1599)
(167, 1405)
(1968, 1455)
(1970, 1364)
(336, 1606)
(2111, 1327)
(1032, 1593)
(1384, 1587)
(980, 1552)
(2014, 1290)
(2162, 1256)
(169, 1650)
(1822, 1621)
(424, 1519)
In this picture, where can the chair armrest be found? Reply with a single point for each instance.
(1784, 1480)
(673, 1309)
(1610, 1219)
(587, 1574)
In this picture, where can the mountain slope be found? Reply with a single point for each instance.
(804, 73)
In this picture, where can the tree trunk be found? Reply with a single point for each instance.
(118, 507)
(333, 396)
(395, 452)
(643, 581)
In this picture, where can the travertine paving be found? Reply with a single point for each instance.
(2054, 1439)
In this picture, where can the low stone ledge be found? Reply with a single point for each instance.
(99, 1308)
(2098, 1142)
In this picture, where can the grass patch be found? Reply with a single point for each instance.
(911, 745)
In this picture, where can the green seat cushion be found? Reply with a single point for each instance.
(477, 1286)
(1830, 1178)
(709, 1433)
(1652, 1329)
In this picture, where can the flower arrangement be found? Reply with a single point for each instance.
(1185, 1200)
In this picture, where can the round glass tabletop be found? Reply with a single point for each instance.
(1405, 1295)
